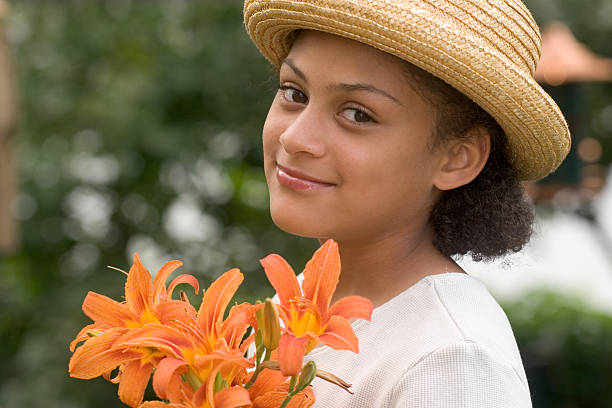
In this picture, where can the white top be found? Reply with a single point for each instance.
(444, 342)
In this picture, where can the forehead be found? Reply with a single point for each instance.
(342, 59)
(323, 39)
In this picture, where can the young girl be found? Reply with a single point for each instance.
(401, 129)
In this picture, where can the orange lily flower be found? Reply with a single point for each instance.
(146, 301)
(199, 349)
(305, 311)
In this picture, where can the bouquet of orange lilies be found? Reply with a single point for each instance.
(199, 359)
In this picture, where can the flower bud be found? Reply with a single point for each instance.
(259, 347)
(269, 324)
(309, 371)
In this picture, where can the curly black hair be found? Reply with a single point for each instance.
(490, 216)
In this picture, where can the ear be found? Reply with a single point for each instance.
(463, 159)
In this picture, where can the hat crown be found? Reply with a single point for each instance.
(505, 26)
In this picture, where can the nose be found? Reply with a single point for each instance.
(305, 134)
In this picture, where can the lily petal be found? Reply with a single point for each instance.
(208, 387)
(234, 327)
(176, 310)
(159, 404)
(199, 397)
(352, 307)
(291, 352)
(232, 397)
(339, 335)
(216, 299)
(220, 359)
(274, 399)
(180, 390)
(246, 344)
(134, 379)
(102, 309)
(97, 357)
(138, 287)
(159, 284)
(164, 338)
(321, 276)
(163, 373)
(82, 335)
(282, 278)
(267, 381)
(188, 279)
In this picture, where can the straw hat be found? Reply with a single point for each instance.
(487, 49)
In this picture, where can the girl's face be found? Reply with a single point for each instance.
(345, 143)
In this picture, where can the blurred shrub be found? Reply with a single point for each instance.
(140, 131)
(566, 348)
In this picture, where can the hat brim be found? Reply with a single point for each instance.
(538, 136)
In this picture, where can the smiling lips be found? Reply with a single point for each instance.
(299, 181)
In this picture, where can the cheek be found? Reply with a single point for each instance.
(271, 132)
(386, 177)
(276, 122)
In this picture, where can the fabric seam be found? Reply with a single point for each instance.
(448, 313)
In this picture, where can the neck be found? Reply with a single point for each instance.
(382, 268)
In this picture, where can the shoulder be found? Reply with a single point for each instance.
(456, 306)
(462, 374)
(475, 314)
(439, 312)
(472, 359)
(457, 303)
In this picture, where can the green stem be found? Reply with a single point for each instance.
(253, 378)
(292, 383)
(291, 392)
(287, 399)
(258, 369)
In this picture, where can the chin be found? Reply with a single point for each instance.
(300, 224)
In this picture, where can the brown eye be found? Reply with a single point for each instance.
(293, 95)
(356, 115)
(362, 117)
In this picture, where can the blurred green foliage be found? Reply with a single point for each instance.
(566, 350)
(139, 131)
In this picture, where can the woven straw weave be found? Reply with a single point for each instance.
(487, 49)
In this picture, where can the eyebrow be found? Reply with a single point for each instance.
(343, 86)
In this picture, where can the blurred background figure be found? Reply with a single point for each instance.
(139, 130)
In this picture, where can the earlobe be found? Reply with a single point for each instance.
(463, 159)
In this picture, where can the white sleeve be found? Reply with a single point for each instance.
(462, 375)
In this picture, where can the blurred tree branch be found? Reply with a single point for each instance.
(8, 118)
